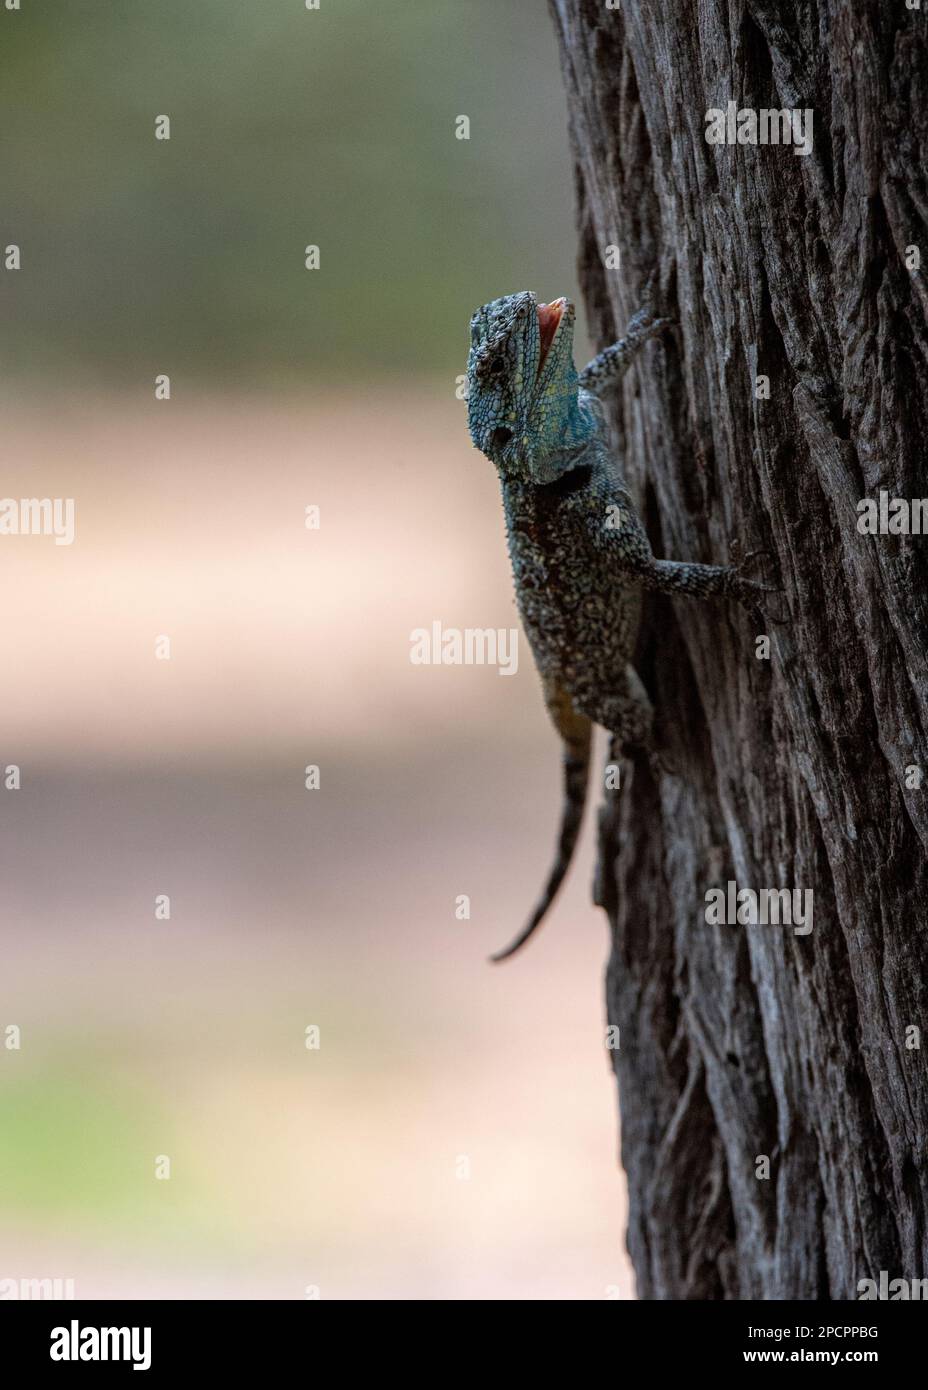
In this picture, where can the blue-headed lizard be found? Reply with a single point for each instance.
(580, 555)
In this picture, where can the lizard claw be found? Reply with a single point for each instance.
(749, 592)
(751, 555)
(649, 300)
(648, 321)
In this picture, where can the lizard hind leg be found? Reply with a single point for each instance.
(626, 711)
(628, 714)
(576, 731)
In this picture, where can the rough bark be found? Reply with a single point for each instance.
(740, 1041)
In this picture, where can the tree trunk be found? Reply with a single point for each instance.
(797, 772)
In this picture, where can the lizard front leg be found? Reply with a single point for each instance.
(606, 369)
(631, 553)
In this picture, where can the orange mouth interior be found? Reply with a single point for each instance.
(549, 316)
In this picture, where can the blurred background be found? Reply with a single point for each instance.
(454, 1136)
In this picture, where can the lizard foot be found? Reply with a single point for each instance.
(644, 325)
(648, 322)
(750, 592)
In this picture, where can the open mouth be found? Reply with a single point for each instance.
(549, 316)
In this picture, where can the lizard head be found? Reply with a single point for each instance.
(521, 381)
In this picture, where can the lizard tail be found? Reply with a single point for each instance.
(576, 731)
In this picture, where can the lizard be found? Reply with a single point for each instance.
(580, 555)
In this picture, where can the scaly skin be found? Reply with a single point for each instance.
(580, 555)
